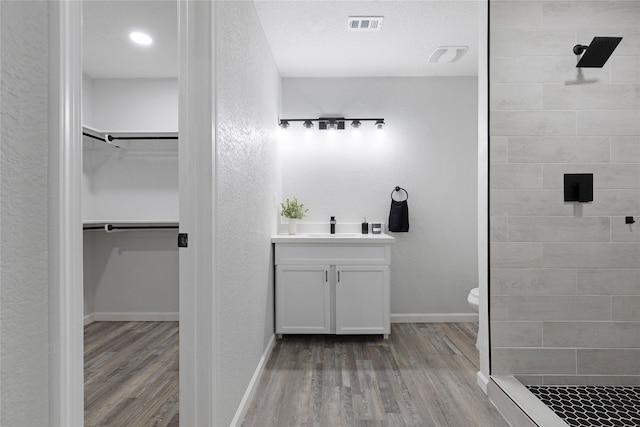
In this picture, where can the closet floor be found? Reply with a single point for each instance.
(131, 374)
(423, 375)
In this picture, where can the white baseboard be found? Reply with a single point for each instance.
(89, 318)
(433, 317)
(253, 384)
(483, 381)
(134, 317)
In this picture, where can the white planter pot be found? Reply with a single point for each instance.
(293, 225)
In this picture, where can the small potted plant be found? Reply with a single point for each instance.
(294, 211)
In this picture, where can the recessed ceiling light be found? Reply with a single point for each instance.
(140, 38)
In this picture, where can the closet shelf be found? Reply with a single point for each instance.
(129, 225)
(112, 138)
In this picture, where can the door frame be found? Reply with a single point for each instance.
(197, 214)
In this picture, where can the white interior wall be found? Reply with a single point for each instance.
(131, 271)
(247, 100)
(24, 300)
(135, 104)
(429, 148)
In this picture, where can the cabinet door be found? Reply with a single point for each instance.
(362, 300)
(303, 303)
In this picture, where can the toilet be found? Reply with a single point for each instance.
(474, 299)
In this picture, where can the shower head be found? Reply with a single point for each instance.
(597, 53)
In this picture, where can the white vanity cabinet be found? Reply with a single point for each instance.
(332, 285)
(303, 299)
(362, 299)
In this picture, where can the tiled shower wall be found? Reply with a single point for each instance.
(565, 277)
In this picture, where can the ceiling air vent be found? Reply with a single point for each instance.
(365, 23)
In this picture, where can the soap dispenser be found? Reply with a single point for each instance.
(365, 226)
(333, 225)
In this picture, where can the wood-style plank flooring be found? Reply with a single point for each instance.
(131, 374)
(424, 375)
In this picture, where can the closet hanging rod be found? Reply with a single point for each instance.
(106, 139)
(132, 138)
(109, 227)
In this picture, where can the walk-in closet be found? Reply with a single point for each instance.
(130, 212)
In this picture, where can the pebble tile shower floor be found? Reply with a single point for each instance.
(592, 405)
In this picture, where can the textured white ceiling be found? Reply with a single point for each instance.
(107, 50)
(308, 38)
(311, 38)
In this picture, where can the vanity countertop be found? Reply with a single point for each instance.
(380, 239)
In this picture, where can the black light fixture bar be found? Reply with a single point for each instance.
(325, 123)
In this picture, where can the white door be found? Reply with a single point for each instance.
(303, 299)
(362, 299)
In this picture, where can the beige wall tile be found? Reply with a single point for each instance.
(618, 176)
(516, 334)
(559, 149)
(591, 334)
(498, 149)
(625, 149)
(530, 281)
(516, 97)
(509, 255)
(609, 282)
(621, 232)
(559, 229)
(531, 202)
(510, 42)
(516, 15)
(624, 69)
(498, 229)
(507, 123)
(626, 308)
(499, 307)
(613, 203)
(531, 361)
(591, 97)
(590, 15)
(620, 122)
(591, 255)
(609, 362)
(544, 69)
(559, 307)
(515, 176)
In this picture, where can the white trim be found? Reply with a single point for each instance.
(89, 319)
(523, 401)
(253, 384)
(66, 356)
(197, 166)
(433, 317)
(483, 381)
(135, 317)
(483, 187)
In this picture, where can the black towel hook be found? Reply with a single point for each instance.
(399, 189)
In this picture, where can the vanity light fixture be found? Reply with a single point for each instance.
(140, 38)
(331, 123)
